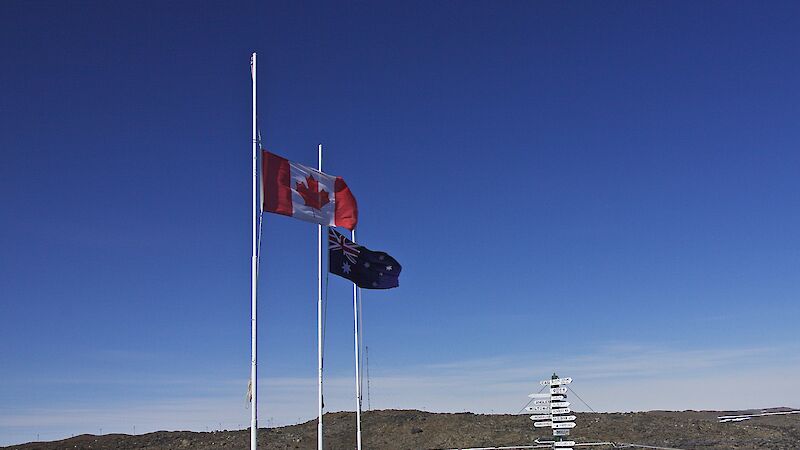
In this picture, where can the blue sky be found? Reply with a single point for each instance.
(620, 176)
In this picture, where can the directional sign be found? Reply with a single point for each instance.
(537, 408)
(560, 432)
(558, 390)
(738, 419)
(558, 397)
(543, 395)
(563, 443)
(556, 382)
(560, 410)
(540, 417)
(542, 402)
(563, 418)
(563, 425)
(544, 424)
(559, 404)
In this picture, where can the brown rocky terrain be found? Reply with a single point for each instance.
(417, 430)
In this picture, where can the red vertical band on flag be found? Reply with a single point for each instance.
(346, 214)
(277, 191)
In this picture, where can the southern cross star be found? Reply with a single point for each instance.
(388, 268)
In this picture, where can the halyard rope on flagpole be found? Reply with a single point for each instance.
(369, 402)
(249, 396)
(361, 344)
(324, 318)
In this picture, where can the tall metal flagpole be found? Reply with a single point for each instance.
(319, 315)
(253, 280)
(358, 359)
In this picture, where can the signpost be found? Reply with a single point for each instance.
(552, 410)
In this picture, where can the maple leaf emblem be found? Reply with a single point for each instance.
(311, 194)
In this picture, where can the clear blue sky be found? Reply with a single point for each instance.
(623, 175)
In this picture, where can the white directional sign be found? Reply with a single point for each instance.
(542, 395)
(559, 404)
(558, 397)
(560, 410)
(543, 424)
(540, 417)
(563, 418)
(560, 432)
(738, 419)
(563, 425)
(542, 402)
(563, 443)
(558, 390)
(538, 408)
(557, 381)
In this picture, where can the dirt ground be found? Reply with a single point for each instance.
(417, 430)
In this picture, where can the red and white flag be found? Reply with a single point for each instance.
(307, 194)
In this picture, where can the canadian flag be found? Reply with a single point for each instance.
(307, 194)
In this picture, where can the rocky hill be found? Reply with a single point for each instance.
(417, 430)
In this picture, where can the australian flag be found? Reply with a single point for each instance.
(366, 268)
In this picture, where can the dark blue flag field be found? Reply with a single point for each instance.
(366, 268)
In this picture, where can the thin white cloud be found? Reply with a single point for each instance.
(618, 378)
(612, 378)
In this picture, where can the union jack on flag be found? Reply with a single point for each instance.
(337, 241)
(368, 269)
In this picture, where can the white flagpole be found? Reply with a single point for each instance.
(358, 359)
(319, 315)
(253, 280)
